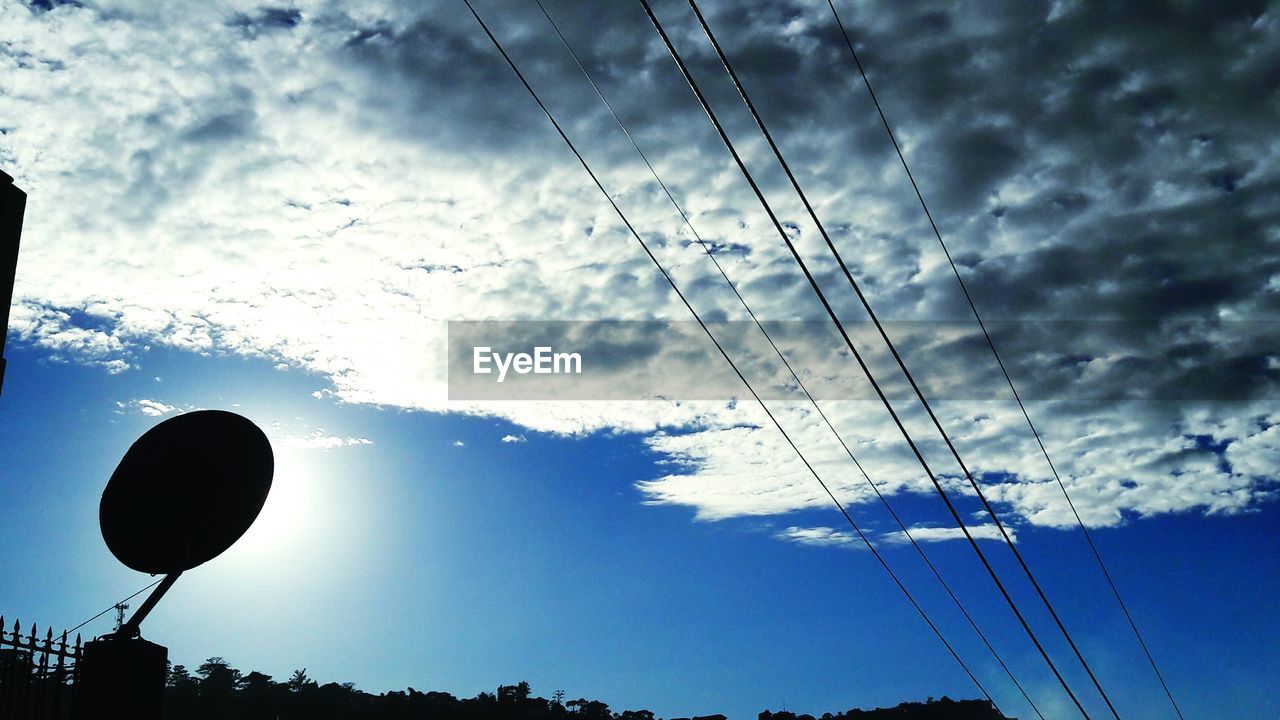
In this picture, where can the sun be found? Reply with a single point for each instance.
(285, 524)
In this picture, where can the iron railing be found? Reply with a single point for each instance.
(38, 676)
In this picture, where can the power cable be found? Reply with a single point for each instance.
(710, 255)
(670, 281)
(858, 356)
(901, 364)
(113, 606)
(991, 343)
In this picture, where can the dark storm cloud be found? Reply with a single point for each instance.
(46, 5)
(447, 78)
(446, 84)
(266, 19)
(1129, 152)
(222, 128)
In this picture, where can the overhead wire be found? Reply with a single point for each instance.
(955, 453)
(670, 281)
(999, 361)
(728, 66)
(901, 364)
(862, 363)
(781, 356)
(113, 605)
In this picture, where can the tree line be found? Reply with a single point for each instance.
(217, 691)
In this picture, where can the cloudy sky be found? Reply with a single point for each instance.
(281, 209)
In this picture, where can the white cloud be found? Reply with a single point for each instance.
(328, 205)
(458, 443)
(821, 537)
(115, 366)
(513, 438)
(1255, 454)
(319, 440)
(154, 408)
(54, 330)
(828, 536)
(979, 531)
(151, 408)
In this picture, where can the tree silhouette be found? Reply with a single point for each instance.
(217, 676)
(179, 677)
(594, 710)
(299, 680)
(513, 693)
(218, 691)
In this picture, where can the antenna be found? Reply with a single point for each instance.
(120, 608)
(184, 493)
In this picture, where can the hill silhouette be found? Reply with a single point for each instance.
(217, 691)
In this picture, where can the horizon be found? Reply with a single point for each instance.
(324, 218)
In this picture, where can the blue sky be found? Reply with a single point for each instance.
(413, 562)
(278, 211)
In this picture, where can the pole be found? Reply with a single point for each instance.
(13, 203)
(131, 628)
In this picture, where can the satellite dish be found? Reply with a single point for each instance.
(186, 491)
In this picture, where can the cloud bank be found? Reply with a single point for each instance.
(325, 185)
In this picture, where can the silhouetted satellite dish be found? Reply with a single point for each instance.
(186, 491)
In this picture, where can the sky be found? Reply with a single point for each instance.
(286, 211)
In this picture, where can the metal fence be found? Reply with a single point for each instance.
(38, 676)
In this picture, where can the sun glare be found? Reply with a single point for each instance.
(284, 523)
